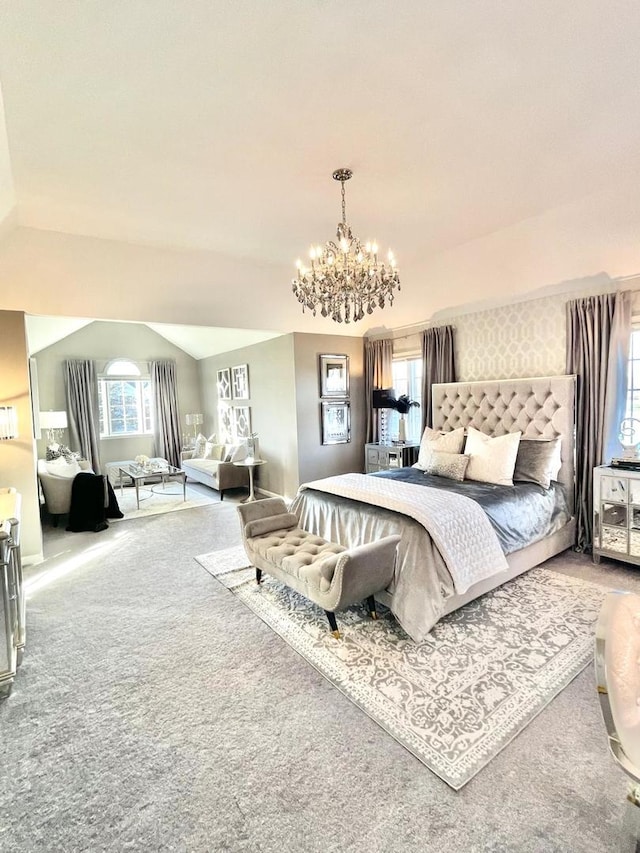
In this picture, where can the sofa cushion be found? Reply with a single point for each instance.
(207, 466)
(199, 446)
(61, 468)
(214, 451)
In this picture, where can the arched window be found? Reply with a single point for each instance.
(122, 367)
(124, 399)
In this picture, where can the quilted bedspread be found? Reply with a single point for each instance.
(458, 525)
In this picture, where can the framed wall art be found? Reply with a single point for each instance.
(334, 375)
(241, 422)
(240, 381)
(225, 423)
(224, 384)
(336, 422)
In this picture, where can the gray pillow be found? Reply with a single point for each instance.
(538, 461)
(449, 465)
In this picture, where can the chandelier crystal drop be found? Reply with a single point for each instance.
(345, 280)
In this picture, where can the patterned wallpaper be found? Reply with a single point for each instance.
(510, 341)
(516, 340)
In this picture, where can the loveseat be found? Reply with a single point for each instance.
(220, 474)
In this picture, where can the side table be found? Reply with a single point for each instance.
(251, 464)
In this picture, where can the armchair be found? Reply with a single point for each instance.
(56, 489)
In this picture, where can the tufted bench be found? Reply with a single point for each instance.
(324, 572)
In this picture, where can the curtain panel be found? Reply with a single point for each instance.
(378, 373)
(166, 418)
(438, 357)
(81, 387)
(598, 335)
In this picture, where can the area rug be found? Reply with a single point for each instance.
(154, 500)
(458, 698)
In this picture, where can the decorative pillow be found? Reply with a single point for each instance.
(538, 461)
(491, 460)
(214, 451)
(55, 451)
(450, 465)
(199, 446)
(447, 442)
(236, 453)
(61, 468)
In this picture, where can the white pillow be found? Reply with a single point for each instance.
(199, 446)
(491, 460)
(61, 468)
(213, 450)
(239, 454)
(447, 442)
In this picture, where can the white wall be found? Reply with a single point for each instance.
(18, 457)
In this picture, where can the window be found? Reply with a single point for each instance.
(124, 398)
(407, 379)
(633, 393)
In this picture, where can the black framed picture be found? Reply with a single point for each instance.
(334, 375)
(336, 422)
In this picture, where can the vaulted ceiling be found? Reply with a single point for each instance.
(168, 161)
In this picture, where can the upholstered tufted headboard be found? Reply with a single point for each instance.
(542, 407)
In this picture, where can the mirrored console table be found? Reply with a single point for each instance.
(12, 599)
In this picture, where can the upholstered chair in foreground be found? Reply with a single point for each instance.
(325, 572)
(617, 662)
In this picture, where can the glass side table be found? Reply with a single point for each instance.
(251, 464)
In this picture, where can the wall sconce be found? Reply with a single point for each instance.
(8, 422)
(194, 421)
(53, 423)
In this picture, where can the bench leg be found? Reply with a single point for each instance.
(334, 625)
(258, 575)
(371, 604)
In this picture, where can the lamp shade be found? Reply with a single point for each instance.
(53, 420)
(194, 419)
(8, 422)
(383, 398)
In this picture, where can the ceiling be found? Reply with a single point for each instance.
(168, 161)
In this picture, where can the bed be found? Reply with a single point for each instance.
(424, 589)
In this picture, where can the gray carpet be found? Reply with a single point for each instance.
(153, 711)
(460, 696)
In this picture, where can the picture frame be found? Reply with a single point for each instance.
(334, 375)
(224, 384)
(335, 418)
(225, 423)
(240, 381)
(241, 423)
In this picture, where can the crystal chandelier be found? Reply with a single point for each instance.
(346, 279)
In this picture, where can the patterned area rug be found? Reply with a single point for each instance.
(155, 500)
(458, 698)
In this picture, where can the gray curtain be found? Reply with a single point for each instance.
(82, 407)
(378, 373)
(598, 334)
(438, 365)
(166, 418)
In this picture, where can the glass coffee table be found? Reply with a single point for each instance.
(156, 473)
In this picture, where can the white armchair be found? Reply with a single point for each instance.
(56, 488)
